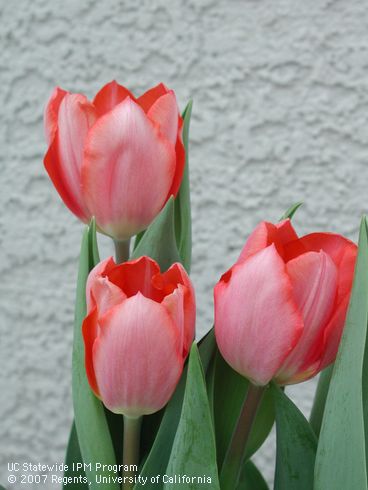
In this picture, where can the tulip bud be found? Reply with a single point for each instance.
(117, 158)
(137, 333)
(280, 310)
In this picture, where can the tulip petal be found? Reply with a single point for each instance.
(180, 163)
(149, 98)
(140, 337)
(110, 96)
(99, 271)
(136, 276)
(127, 171)
(333, 333)
(265, 234)
(174, 303)
(51, 113)
(165, 113)
(169, 280)
(341, 250)
(64, 157)
(257, 322)
(90, 331)
(314, 278)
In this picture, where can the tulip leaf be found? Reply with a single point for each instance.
(296, 445)
(159, 240)
(207, 348)
(289, 213)
(74, 458)
(341, 454)
(251, 478)
(183, 221)
(159, 455)
(90, 421)
(194, 451)
(229, 391)
(320, 398)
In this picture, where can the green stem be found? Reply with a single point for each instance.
(121, 250)
(132, 433)
(234, 458)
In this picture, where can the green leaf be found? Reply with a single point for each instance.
(159, 240)
(320, 399)
(194, 452)
(251, 478)
(93, 246)
(291, 211)
(230, 389)
(207, 348)
(296, 446)
(73, 458)
(341, 455)
(138, 238)
(183, 221)
(90, 421)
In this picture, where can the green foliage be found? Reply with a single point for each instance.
(159, 241)
(194, 452)
(251, 478)
(91, 426)
(229, 392)
(289, 213)
(183, 220)
(296, 445)
(341, 454)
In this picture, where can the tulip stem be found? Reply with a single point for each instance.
(234, 458)
(132, 433)
(121, 250)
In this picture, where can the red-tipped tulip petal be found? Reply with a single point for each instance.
(340, 249)
(136, 276)
(165, 113)
(63, 160)
(149, 98)
(333, 333)
(140, 337)
(97, 273)
(117, 168)
(314, 279)
(257, 322)
(267, 233)
(176, 274)
(109, 97)
(51, 113)
(90, 330)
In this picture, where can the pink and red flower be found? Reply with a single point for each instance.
(118, 158)
(138, 332)
(280, 310)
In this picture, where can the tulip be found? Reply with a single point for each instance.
(137, 333)
(118, 158)
(280, 310)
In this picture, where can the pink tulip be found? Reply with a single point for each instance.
(118, 158)
(137, 333)
(280, 310)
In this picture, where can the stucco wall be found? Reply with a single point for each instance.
(280, 93)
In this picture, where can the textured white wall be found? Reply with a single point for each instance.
(280, 93)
